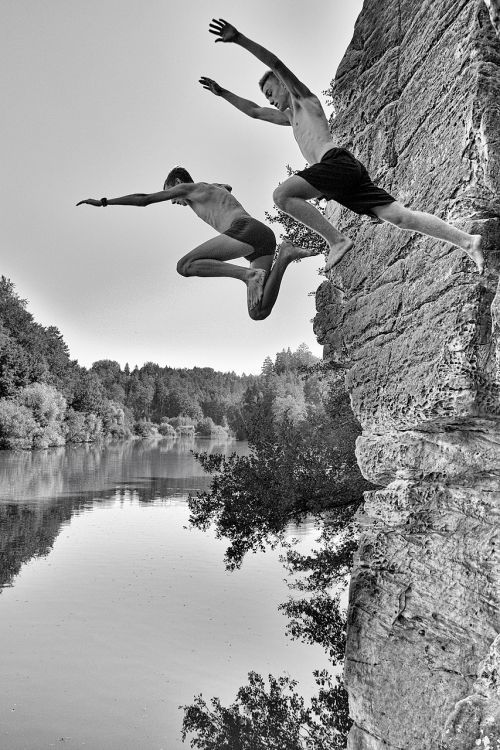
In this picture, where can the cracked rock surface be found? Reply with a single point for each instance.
(417, 99)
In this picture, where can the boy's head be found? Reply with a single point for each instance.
(177, 175)
(274, 91)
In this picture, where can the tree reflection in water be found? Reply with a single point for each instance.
(41, 491)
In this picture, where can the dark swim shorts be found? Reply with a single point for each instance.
(254, 233)
(339, 176)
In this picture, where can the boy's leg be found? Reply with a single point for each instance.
(287, 253)
(292, 196)
(210, 260)
(418, 221)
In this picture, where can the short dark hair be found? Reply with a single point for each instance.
(177, 173)
(264, 78)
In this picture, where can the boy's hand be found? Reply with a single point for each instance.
(211, 85)
(223, 30)
(91, 202)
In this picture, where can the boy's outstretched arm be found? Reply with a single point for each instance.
(228, 33)
(143, 199)
(269, 114)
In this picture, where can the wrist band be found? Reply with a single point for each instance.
(104, 202)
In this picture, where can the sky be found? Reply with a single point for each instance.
(102, 99)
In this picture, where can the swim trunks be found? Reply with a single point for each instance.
(254, 233)
(339, 176)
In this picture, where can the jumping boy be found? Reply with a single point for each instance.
(240, 236)
(334, 174)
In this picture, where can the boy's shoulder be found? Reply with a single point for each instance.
(224, 186)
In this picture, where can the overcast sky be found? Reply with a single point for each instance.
(101, 98)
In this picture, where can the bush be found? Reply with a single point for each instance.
(145, 429)
(181, 421)
(45, 403)
(114, 423)
(183, 425)
(219, 433)
(82, 428)
(167, 430)
(185, 430)
(74, 427)
(34, 419)
(206, 427)
(18, 427)
(49, 436)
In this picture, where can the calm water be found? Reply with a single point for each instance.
(112, 612)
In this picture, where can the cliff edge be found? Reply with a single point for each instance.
(417, 99)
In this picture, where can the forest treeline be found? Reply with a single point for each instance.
(48, 399)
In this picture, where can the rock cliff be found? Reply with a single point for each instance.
(417, 99)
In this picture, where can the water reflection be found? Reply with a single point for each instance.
(40, 491)
(112, 613)
(89, 469)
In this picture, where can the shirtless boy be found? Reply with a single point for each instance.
(240, 236)
(334, 174)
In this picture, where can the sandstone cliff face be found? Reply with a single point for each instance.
(417, 98)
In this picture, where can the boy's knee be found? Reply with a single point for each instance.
(400, 217)
(281, 197)
(183, 267)
(259, 313)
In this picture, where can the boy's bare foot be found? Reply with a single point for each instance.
(475, 253)
(255, 286)
(337, 252)
(290, 252)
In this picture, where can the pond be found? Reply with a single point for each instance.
(113, 612)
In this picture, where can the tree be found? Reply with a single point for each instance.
(321, 576)
(284, 361)
(112, 379)
(289, 402)
(114, 420)
(17, 425)
(15, 366)
(89, 393)
(179, 401)
(140, 395)
(304, 357)
(215, 408)
(45, 402)
(273, 718)
(44, 348)
(267, 367)
(56, 355)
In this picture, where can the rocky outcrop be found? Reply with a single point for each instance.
(417, 98)
(494, 9)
